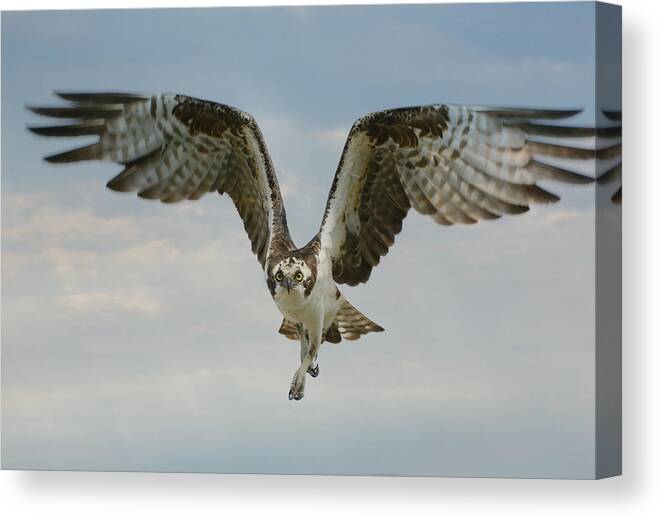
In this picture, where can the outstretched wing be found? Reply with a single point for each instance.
(175, 147)
(457, 164)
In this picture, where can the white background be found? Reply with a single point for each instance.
(72, 495)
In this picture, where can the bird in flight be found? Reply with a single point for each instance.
(456, 164)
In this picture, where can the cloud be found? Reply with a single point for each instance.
(40, 217)
(110, 302)
(336, 135)
(215, 344)
(293, 191)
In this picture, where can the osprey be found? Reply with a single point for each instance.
(456, 164)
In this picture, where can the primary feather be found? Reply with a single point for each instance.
(174, 148)
(456, 164)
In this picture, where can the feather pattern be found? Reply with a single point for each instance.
(175, 148)
(456, 164)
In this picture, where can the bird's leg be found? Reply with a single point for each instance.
(304, 335)
(305, 340)
(313, 370)
(297, 388)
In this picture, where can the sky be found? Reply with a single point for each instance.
(140, 336)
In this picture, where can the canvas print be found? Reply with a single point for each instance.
(366, 240)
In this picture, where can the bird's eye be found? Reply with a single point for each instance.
(279, 276)
(299, 276)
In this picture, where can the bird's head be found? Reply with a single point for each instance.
(291, 278)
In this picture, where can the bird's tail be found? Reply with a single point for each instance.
(349, 324)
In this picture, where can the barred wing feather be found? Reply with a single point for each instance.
(174, 148)
(456, 164)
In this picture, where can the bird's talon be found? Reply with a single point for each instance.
(294, 396)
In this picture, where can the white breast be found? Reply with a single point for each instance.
(292, 305)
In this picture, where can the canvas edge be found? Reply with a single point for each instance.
(608, 262)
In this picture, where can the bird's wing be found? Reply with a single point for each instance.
(457, 164)
(173, 148)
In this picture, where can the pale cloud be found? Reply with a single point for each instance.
(71, 267)
(336, 135)
(187, 207)
(113, 265)
(203, 332)
(292, 190)
(56, 224)
(491, 242)
(110, 302)
(14, 203)
(215, 344)
(147, 253)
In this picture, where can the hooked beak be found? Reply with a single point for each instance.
(288, 283)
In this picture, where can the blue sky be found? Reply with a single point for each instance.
(137, 336)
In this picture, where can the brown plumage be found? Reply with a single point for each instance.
(174, 147)
(455, 164)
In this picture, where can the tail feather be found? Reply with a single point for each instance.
(289, 330)
(351, 323)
